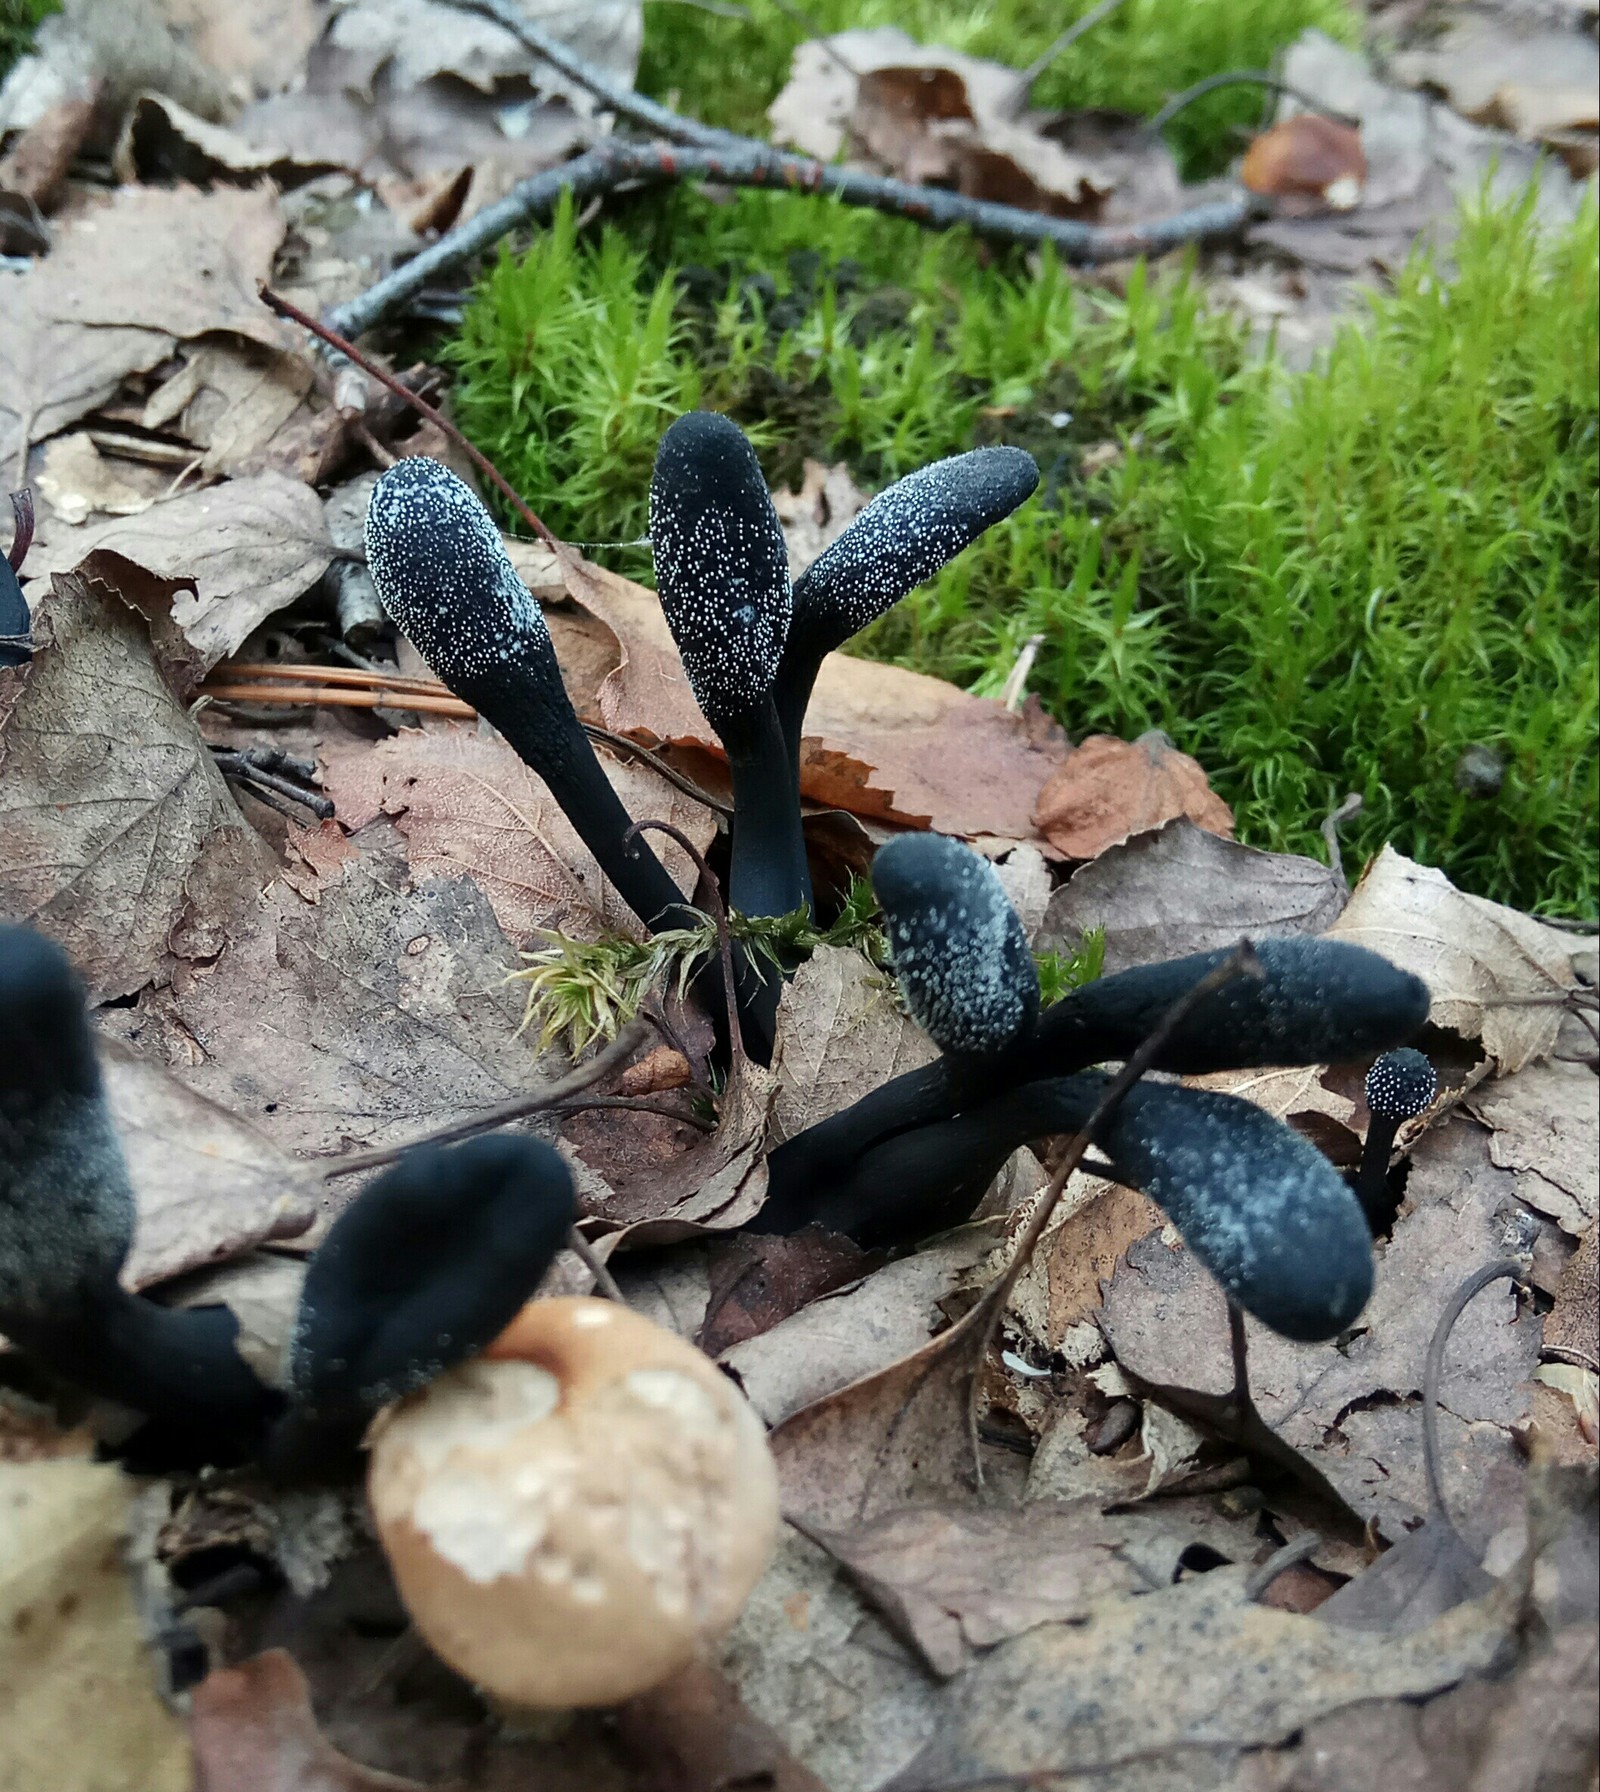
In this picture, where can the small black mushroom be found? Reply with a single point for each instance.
(958, 950)
(1400, 1085)
(722, 572)
(16, 643)
(425, 1268)
(899, 540)
(1262, 1209)
(442, 573)
(66, 1226)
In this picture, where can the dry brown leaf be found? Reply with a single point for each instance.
(1352, 1412)
(79, 1710)
(1483, 962)
(230, 400)
(1474, 59)
(1112, 789)
(955, 1579)
(209, 1186)
(117, 835)
(369, 1017)
(814, 516)
(257, 45)
(467, 804)
(880, 742)
(1180, 888)
(840, 1033)
(1308, 156)
(254, 1731)
(1546, 1128)
(1181, 1681)
(36, 165)
(696, 1732)
(248, 548)
(847, 1337)
(756, 1281)
(78, 482)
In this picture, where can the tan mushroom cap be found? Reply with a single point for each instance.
(574, 1515)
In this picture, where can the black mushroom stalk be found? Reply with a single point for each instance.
(66, 1225)
(443, 575)
(1261, 1208)
(722, 572)
(901, 538)
(425, 1268)
(883, 1168)
(1400, 1085)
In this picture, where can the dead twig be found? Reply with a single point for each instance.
(1243, 77)
(1078, 28)
(749, 164)
(336, 340)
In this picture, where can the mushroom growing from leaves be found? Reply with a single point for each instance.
(1317, 1001)
(580, 1512)
(722, 572)
(1261, 1208)
(424, 1268)
(66, 1225)
(901, 538)
(443, 575)
(1400, 1085)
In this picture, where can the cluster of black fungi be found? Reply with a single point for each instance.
(437, 1254)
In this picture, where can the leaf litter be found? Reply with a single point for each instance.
(277, 997)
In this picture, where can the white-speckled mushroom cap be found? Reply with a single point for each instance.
(722, 570)
(1401, 1084)
(906, 534)
(443, 575)
(958, 950)
(576, 1515)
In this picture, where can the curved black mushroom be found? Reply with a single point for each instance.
(1400, 1085)
(442, 573)
(66, 1225)
(426, 1267)
(900, 539)
(16, 643)
(722, 572)
(1262, 1209)
(959, 953)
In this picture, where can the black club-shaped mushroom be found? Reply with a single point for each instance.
(424, 1269)
(1262, 1209)
(66, 1225)
(442, 573)
(1400, 1085)
(723, 576)
(901, 538)
(1316, 1001)
(16, 645)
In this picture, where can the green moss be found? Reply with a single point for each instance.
(728, 71)
(19, 19)
(1316, 582)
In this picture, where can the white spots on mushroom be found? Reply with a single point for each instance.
(1401, 1084)
(722, 569)
(443, 575)
(906, 534)
(956, 945)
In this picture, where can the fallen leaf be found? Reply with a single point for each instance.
(827, 501)
(1112, 789)
(1193, 1667)
(695, 1732)
(78, 482)
(1473, 60)
(1496, 975)
(1352, 1411)
(844, 1338)
(72, 1642)
(254, 1731)
(367, 1018)
(880, 742)
(956, 1579)
(757, 1281)
(1180, 888)
(117, 835)
(1307, 156)
(1572, 1327)
(258, 45)
(1427, 1573)
(230, 400)
(1545, 1127)
(466, 804)
(840, 1033)
(209, 1186)
(247, 548)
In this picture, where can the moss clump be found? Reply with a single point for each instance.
(1316, 582)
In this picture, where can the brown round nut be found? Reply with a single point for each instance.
(572, 1516)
